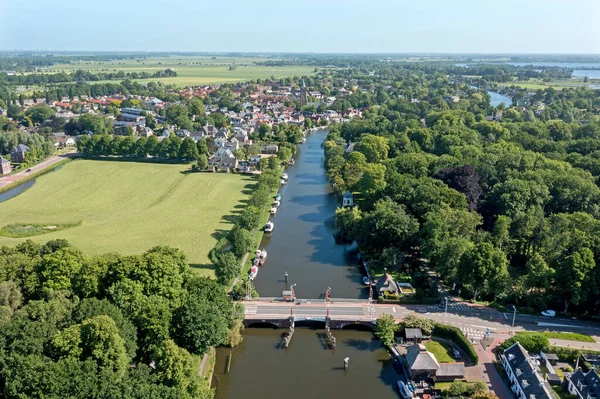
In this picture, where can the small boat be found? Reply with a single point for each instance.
(278, 197)
(291, 161)
(276, 204)
(253, 272)
(366, 281)
(284, 176)
(283, 182)
(273, 211)
(403, 389)
(261, 253)
(269, 227)
(304, 139)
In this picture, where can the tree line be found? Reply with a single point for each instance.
(107, 326)
(506, 210)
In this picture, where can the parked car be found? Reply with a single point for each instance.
(28, 170)
(456, 353)
(422, 311)
(549, 313)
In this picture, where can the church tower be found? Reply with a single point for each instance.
(303, 97)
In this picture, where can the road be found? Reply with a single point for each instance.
(6, 180)
(473, 321)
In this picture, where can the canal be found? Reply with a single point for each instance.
(260, 368)
(302, 243)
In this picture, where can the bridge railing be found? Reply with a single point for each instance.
(319, 300)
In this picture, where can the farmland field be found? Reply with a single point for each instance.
(128, 207)
(191, 70)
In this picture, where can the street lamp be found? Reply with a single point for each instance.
(446, 310)
(514, 315)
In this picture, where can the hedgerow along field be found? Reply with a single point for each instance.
(129, 207)
(191, 70)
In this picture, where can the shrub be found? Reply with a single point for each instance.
(569, 369)
(457, 336)
(536, 342)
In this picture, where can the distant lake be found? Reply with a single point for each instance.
(497, 98)
(576, 66)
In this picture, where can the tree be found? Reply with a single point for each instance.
(375, 148)
(353, 169)
(197, 107)
(264, 130)
(202, 163)
(188, 150)
(241, 241)
(175, 367)
(413, 320)
(575, 269)
(40, 113)
(250, 218)
(59, 268)
(200, 325)
(483, 268)
(96, 124)
(284, 154)
(385, 329)
(101, 341)
(175, 112)
(228, 266)
(532, 342)
(92, 307)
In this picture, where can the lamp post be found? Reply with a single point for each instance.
(446, 310)
(514, 315)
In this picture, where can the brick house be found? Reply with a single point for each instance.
(223, 159)
(17, 155)
(5, 167)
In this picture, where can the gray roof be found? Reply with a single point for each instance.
(348, 195)
(551, 356)
(419, 359)
(21, 148)
(4, 160)
(531, 381)
(411, 333)
(386, 283)
(451, 370)
(586, 383)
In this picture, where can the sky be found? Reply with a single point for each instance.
(322, 26)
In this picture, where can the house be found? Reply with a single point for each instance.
(223, 159)
(423, 364)
(17, 155)
(5, 167)
(387, 284)
(269, 149)
(414, 334)
(348, 199)
(63, 141)
(523, 373)
(583, 385)
(349, 148)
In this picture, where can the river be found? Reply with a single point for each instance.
(260, 368)
(302, 243)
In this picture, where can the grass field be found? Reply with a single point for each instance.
(441, 350)
(128, 207)
(191, 70)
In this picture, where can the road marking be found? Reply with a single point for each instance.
(489, 328)
(394, 309)
(506, 317)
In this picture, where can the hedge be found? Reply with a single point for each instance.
(569, 355)
(457, 336)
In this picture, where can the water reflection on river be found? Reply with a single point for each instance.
(261, 369)
(302, 243)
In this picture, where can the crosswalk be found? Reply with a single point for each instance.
(452, 306)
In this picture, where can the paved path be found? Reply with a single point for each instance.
(6, 180)
(595, 346)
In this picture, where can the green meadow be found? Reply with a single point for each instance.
(129, 207)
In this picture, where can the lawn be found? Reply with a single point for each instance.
(441, 350)
(191, 70)
(564, 335)
(129, 207)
